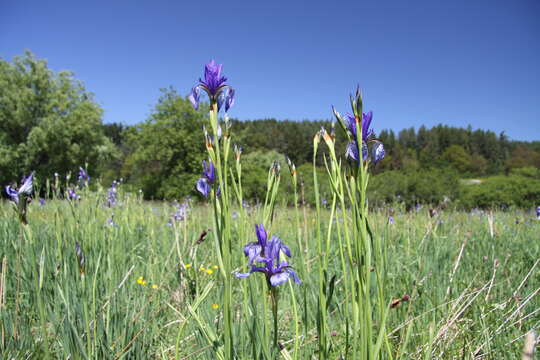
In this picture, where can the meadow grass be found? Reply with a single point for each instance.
(457, 287)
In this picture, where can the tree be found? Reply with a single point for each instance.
(167, 149)
(457, 157)
(48, 122)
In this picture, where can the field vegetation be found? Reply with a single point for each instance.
(470, 281)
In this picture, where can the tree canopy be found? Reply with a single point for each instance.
(166, 151)
(48, 121)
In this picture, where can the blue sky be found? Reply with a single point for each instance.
(418, 62)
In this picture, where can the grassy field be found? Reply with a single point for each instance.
(458, 285)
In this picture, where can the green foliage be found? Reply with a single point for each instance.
(167, 149)
(528, 171)
(502, 192)
(457, 157)
(255, 166)
(48, 122)
(523, 157)
(425, 186)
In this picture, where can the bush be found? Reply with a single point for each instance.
(502, 192)
(431, 186)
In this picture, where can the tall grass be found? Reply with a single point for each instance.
(477, 304)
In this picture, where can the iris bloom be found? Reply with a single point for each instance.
(268, 255)
(366, 122)
(213, 80)
(349, 123)
(214, 85)
(194, 97)
(180, 213)
(112, 194)
(204, 184)
(84, 179)
(25, 189)
(538, 212)
(352, 151)
(72, 195)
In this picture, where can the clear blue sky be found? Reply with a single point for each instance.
(418, 62)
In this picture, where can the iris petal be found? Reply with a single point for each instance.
(279, 278)
(203, 187)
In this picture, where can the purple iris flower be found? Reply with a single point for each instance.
(213, 81)
(42, 202)
(214, 85)
(204, 184)
(378, 152)
(180, 213)
(268, 254)
(72, 195)
(84, 179)
(25, 189)
(352, 150)
(538, 212)
(112, 194)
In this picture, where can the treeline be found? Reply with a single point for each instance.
(50, 124)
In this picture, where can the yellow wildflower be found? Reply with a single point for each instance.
(141, 281)
(215, 306)
(202, 268)
(155, 286)
(215, 267)
(187, 266)
(209, 271)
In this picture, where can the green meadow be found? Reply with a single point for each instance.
(457, 286)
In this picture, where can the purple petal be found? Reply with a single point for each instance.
(351, 125)
(364, 151)
(209, 171)
(203, 187)
(242, 275)
(26, 187)
(221, 100)
(378, 152)
(194, 97)
(293, 274)
(13, 194)
(366, 132)
(252, 251)
(273, 247)
(261, 235)
(212, 77)
(279, 278)
(352, 151)
(286, 250)
(229, 101)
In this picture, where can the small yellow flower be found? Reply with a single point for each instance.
(215, 267)
(141, 281)
(215, 306)
(155, 286)
(187, 266)
(202, 268)
(209, 271)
